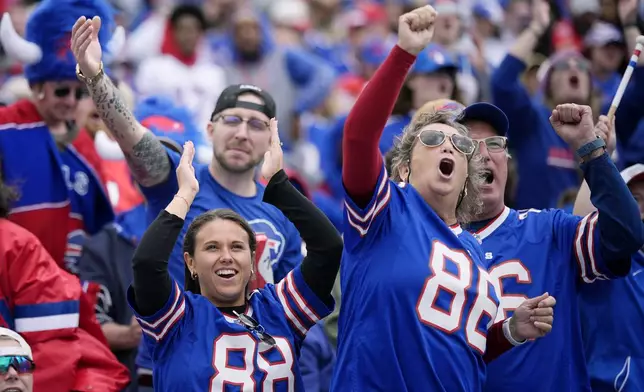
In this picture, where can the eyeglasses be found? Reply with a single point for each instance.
(493, 143)
(79, 92)
(433, 138)
(255, 328)
(233, 121)
(21, 363)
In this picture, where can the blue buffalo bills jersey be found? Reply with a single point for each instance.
(279, 244)
(195, 347)
(612, 315)
(528, 253)
(416, 299)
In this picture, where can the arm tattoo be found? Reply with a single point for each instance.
(148, 161)
(144, 153)
(113, 111)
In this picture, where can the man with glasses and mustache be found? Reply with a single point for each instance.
(533, 251)
(240, 135)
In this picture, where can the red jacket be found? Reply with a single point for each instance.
(41, 302)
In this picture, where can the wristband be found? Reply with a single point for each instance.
(589, 147)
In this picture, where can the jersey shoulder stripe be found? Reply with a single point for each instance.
(361, 219)
(158, 325)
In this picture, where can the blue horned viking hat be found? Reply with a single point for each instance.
(45, 49)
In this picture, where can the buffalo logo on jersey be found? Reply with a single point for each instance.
(270, 246)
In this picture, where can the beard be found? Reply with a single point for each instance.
(236, 169)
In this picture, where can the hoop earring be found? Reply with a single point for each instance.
(193, 275)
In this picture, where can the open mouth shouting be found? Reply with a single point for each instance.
(446, 167)
(574, 81)
(488, 176)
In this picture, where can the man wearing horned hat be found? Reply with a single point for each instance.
(61, 196)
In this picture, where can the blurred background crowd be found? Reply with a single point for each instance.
(314, 57)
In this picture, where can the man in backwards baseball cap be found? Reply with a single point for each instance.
(16, 362)
(240, 134)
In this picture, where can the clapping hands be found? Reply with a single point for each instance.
(274, 157)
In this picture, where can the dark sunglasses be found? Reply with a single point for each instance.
(255, 328)
(79, 92)
(21, 363)
(565, 65)
(235, 121)
(433, 138)
(493, 143)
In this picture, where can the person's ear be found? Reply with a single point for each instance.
(190, 262)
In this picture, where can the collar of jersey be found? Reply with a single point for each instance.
(492, 225)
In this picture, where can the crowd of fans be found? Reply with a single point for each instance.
(172, 61)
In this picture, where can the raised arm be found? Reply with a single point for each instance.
(361, 156)
(606, 130)
(145, 155)
(323, 243)
(507, 90)
(152, 283)
(617, 232)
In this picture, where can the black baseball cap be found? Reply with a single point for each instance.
(489, 114)
(229, 99)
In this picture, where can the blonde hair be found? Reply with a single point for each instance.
(470, 204)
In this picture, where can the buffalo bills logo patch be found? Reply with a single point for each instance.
(270, 247)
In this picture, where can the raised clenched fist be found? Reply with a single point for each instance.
(416, 29)
(574, 124)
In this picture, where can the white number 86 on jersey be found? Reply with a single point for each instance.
(459, 286)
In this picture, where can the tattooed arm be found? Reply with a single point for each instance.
(145, 155)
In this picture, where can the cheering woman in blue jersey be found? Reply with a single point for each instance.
(418, 304)
(216, 334)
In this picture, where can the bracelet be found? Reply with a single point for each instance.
(184, 200)
(91, 80)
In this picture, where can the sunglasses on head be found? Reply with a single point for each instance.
(20, 363)
(255, 328)
(493, 143)
(434, 138)
(79, 92)
(254, 124)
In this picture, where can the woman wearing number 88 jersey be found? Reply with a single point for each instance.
(216, 335)
(418, 305)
